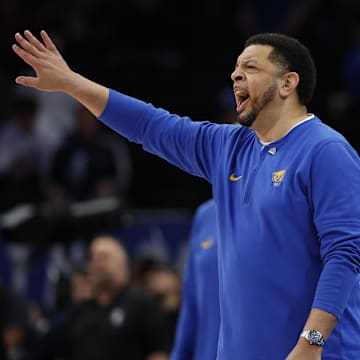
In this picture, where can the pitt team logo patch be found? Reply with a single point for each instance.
(278, 177)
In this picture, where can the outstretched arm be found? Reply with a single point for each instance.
(54, 74)
(192, 146)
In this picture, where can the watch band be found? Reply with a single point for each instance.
(314, 337)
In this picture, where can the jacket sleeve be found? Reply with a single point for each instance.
(192, 146)
(335, 177)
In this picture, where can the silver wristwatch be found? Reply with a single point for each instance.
(314, 337)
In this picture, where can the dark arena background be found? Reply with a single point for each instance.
(65, 178)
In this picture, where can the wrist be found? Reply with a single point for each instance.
(305, 346)
(73, 82)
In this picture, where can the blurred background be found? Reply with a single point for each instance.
(65, 178)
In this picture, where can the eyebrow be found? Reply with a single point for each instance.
(246, 62)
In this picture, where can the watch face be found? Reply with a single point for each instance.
(315, 337)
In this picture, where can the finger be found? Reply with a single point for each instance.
(34, 41)
(27, 81)
(24, 55)
(48, 42)
(26, 45)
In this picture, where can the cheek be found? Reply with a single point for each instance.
(256, 96)
(254, 88)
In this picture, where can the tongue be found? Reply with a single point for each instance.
(241, 106)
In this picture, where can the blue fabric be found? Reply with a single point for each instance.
(289, 224)
(198, 325)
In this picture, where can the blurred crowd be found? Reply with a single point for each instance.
(64, 175)
(175, 54)
(106, 309)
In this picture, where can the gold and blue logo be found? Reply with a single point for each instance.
(232, 177)
(278, 177)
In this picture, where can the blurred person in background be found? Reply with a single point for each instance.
(119, 322)
(163, 282)
(83, 167)
(71, 294)
(22, 155)
(15, 329)
(198, 326)
(80, 287)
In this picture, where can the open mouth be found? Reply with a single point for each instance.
(242, 98)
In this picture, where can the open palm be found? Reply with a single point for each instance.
(52, 72)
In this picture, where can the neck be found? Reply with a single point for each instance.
(273, 124)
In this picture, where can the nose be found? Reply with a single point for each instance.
(237, 75)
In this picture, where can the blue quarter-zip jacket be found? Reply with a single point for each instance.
(289, 225)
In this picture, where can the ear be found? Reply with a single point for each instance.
(289, 83)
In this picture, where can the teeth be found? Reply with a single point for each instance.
(240, 96)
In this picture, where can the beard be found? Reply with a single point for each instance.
(258, 104)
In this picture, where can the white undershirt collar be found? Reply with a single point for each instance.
(292, 128)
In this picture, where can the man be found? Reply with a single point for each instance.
(286, 194)
(83, 167)
(198, 325)
(22, 156)
(120, 322)
(164, 283)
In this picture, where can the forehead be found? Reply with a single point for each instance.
(257, 53)
(105, 246)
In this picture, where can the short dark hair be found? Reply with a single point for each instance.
(290, 55)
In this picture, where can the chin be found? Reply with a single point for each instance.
(247, 119)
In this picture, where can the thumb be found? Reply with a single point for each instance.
(27, 81)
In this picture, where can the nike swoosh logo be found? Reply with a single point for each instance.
(232, 177)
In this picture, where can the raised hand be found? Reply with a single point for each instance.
(54, 74)
(52, 71)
